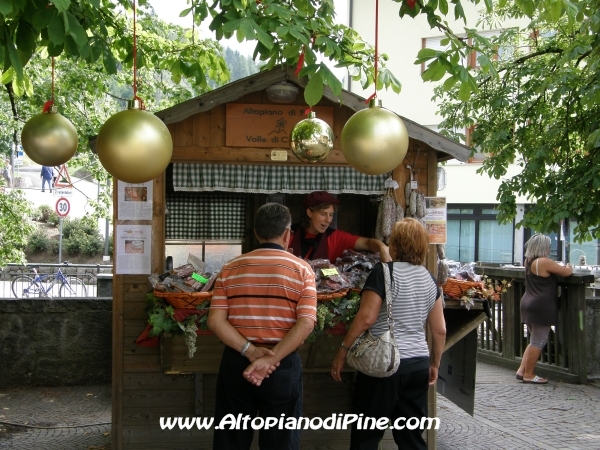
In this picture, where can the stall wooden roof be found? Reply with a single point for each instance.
(446, 148)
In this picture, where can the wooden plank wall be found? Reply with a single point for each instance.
(201, 137)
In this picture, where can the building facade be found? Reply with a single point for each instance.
(473, 232)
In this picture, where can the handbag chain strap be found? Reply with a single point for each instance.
(388, 295)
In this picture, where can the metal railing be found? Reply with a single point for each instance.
(503, 338)
(85, 272)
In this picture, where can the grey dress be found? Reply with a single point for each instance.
(539, 304)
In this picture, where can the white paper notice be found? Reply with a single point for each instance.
(133, 249)
(135, 201)
(435, 219)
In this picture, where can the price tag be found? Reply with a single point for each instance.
(330, 272)
(199, 278)
(414, 185)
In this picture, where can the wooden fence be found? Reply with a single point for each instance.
(503, 338)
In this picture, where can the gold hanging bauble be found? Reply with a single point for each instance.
(49, 138)
(134, 145)
(311, 140)
(375, 140)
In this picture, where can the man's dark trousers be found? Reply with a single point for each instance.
(279, 394)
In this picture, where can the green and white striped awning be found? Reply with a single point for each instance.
(273, 179)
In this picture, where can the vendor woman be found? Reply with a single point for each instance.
(314, 239)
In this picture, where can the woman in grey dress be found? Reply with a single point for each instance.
(539, 303)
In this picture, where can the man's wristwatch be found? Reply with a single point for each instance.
(245, 348)
(344, 347)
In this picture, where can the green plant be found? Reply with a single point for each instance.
(42, 213)
(84, 225)
(80, 242)
(53, 248)
(39, 241)
(489, 290)
(53, 218)
(162, 318)
(334, 312)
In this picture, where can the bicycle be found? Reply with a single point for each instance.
(24, 286)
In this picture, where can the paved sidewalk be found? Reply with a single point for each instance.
(58, 418)
(508, 415)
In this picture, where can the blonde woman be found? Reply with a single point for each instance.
(416, 300)
(539, 304)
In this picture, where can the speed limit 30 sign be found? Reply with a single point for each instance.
(63, 207)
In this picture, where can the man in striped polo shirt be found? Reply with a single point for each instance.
(263, 307)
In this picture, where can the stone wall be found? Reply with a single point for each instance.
(60, 342)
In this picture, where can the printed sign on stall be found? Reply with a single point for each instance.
(436, 219)
(263, 125)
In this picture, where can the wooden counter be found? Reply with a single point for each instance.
(323, 396)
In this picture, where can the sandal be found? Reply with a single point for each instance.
(536, 380)
(519, 377)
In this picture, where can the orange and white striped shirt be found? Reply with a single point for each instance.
(264, 292)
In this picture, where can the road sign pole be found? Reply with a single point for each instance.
(60, 221)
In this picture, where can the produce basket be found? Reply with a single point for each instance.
(184, 300)
(456, 288)
(331, 295)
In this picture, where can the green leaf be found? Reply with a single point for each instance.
(8, 76)
(264, 38)
(314, 90)
(71, 47)
(13, 56)
(185, 12)
(434, 72)
(298, 34)
(527, 6)
(18, 87)
(449, 83)
(56, 31)
(77, 31)
(54, 50)
(331, 80)
(427, 54)
(245, 31)
(26, 37)
(459, 12)
(231, 26)
(570, 9)
(108, 60)
(464, 93)
(279, 11)
(176, 71)
(6, 7)
(41, 19)
(95, 3)
(61, 5)
(290, 51)
(28, 85)
(443, 5)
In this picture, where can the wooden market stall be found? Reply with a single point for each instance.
(230, 154)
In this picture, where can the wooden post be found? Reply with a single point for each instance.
(576, 309)
(509, 317)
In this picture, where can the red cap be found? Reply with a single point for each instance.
(319, 197)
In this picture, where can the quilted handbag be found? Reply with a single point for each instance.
(377, 356)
